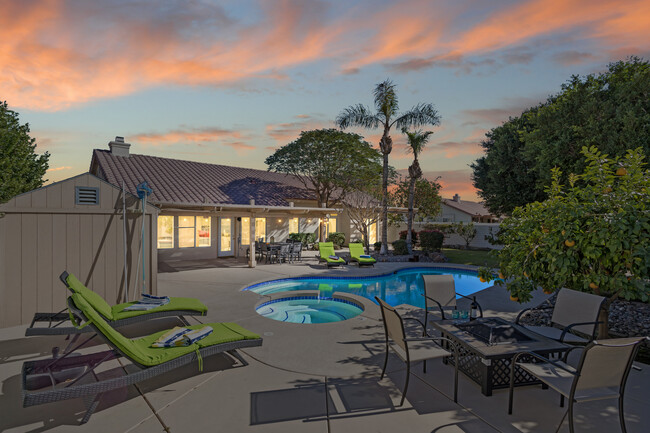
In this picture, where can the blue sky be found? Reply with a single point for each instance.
(228, 82)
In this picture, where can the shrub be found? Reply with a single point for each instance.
(414, 235)
(337, 238)
(377, 246)
(465, 231)
(431, 240)
(400, 248)
(305, 238)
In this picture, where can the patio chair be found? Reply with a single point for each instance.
(60, 324)
(296, 251)
(326, 251)
(440, 292)
(281, 254)
(573, 311)
(67, 377)
(356, 253)
(413, 349)
(601, 374)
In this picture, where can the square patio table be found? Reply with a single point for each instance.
(488, 363)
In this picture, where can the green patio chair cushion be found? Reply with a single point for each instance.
(326, 249)
(175, 304)
(96, 301)
(356, 250)
(136, 350)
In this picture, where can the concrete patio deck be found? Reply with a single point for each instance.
(305, 378)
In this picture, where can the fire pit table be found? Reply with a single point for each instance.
(486, 347)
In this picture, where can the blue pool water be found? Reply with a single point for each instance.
(309, 309)
(401, 287)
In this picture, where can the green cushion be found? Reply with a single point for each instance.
(356, 250)
(326, 249)
(365, 260)
(328, 260)
(96, 301)
(136, 350)
(175, 304)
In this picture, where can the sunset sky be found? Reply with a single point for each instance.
(229, 82)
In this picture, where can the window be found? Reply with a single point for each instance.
(203, 232)
(260, 228)
(165, 232)
(372, 233)
(186, 226)
(294, 226)
(331, 224)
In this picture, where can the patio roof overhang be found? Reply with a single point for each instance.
(246, 208)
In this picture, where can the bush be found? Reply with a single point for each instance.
(400, 248)
(337, 238)
(414, 235)
(465, 231)
(431, 240)
(377, 246)
(305, 238)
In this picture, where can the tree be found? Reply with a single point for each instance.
(592, 235)
(328, 162)
(21, 169)
(610, 110)
(466, 231)
(386, 116)
(426, 199)
(363, 206)
(416, 140)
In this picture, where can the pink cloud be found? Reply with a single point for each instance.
(197, 136)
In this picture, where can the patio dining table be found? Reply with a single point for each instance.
(486, 347)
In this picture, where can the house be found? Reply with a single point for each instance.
(211, 210)
(455, 210)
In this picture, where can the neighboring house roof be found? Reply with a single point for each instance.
(468, 207)
(188, 182)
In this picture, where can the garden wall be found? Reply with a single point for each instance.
(482, 229)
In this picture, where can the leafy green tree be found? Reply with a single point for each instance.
(426, 199)
(386, 115)
(21, 169)
(610, 110)
(592, 235)
(328, 162)
(416, 140)
(466, 231)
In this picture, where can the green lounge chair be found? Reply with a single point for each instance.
(326, 249)
(67, 377)
(59, 323)
(356, 251)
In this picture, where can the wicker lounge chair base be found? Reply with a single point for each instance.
(74, 376)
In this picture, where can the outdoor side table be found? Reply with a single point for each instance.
(488, 363)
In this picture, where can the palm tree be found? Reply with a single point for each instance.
(386, 115)
(417, 140)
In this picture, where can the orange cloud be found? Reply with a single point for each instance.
(59, 168)
(455, 182)
(285, 133)
(197, 136)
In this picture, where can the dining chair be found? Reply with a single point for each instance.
(413, 349)
(601, 374)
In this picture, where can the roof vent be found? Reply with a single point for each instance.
(456, 198)
(119, 147)
(86, 195)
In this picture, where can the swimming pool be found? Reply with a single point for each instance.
(404, 286)
(309, 309)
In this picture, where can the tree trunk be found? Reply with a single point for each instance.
(384, 208)
(409, 225)
(603, 317)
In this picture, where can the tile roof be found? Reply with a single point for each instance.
(188, 182)
(469, 207)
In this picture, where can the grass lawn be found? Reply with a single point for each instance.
(470, 257)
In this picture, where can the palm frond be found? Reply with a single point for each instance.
(421, 114)
(416, 140)
(357, 115)
(386, 99)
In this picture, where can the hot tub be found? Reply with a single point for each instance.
(309, 309)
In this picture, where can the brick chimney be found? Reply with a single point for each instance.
(456, 198)
(119, 147)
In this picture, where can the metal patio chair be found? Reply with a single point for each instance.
(440, 292)
(413, 349)
(573, 311)
(601, 374)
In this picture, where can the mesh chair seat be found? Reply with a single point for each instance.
(555, 334)
(420, 351)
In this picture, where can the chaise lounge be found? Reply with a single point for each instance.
(327, 255)
(59, 323)
(359, 256)
(67, 377)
